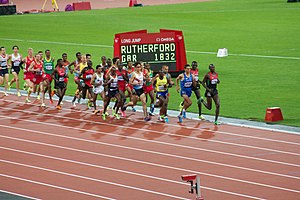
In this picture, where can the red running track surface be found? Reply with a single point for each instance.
(73, 154)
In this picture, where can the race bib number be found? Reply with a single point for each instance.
(161, 87)
(89, 76)
(49, 67)
(61, 79)
(214, 81)
(188, 84)
(17, 63)
(114, 84)
(196, 78)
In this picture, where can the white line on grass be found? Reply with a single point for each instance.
(108, 46)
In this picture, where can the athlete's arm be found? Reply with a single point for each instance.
(194, 81)
(204, 82)
(30, 68)
(125, 76)
(53, 75)
(177, 81)
(93, 80)
(81, 74)
(132, 79)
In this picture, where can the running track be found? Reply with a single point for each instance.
(73, 154)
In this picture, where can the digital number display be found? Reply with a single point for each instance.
(155, 54)
(157, 49)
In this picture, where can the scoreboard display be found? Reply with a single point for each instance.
(158, 49)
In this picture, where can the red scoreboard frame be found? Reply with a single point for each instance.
(163, 48)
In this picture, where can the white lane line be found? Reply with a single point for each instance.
(20, 195)
(98, 180)
(55, 186)
(93, 179)
(145, 140)
(177, 135)
(152, 152)
(188, 137)
(172, 125)
(148, 163)
(109, 46)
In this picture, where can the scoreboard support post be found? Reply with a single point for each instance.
(158, 49)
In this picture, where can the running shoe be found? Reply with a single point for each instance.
(123, 114)
(24, 86)
(74, 104)
(27, 100)
(89, 104)
(160, 118)
(146, 119)
(96, 112)
(113, 112)
(180, 118)
(19, 94)
(117, 116)
(104, 116)
(166, 119)
(151, 113)
(61, 103)
(133, 109)
(5, 94)
(217, 123)
(58, 107)
(184, 114)
(51, 101)
(43, 105)
(38, 97)
(201, 117)
(180, 106)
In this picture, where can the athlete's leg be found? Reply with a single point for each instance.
(41, 87)
(198, 95)
(208, 103)
(217, 102)
(6, 79)
(144, 104)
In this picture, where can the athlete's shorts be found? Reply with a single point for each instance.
(129, 85)
(3, 72)
(148, 89)
(211, 94)
(48, 77)
(197, 87)
(60, 85)
(186, 92)
(112, 93)
(37, 79)
(138, 92)
(122, 87)
(163, 94)
(98, 90)
(16, 70)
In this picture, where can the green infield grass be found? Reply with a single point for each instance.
(262, 36)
